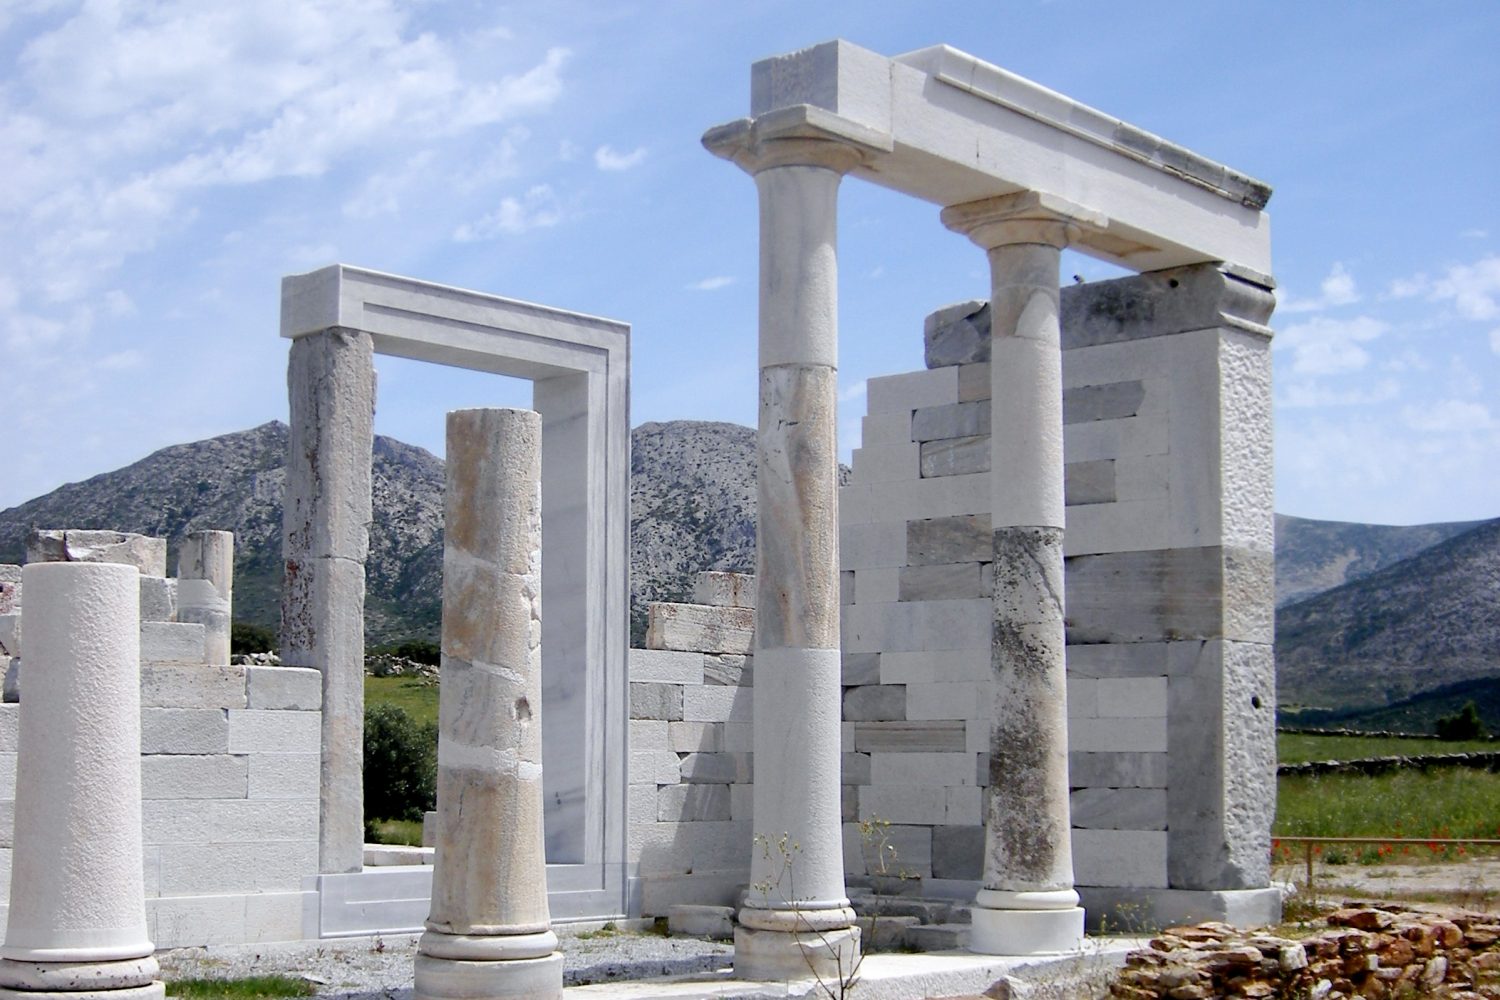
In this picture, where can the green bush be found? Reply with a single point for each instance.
(245, 637)
(400, 765)
(1465, 724)
(417, 650)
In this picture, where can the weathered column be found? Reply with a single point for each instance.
(325, 538)
(205, 588)
(489, 933)
(1027, 903)
(797, 918)
(77, 922)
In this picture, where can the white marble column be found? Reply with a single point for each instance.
(1027, 903)
(77, 921)
(325, 539)
(489, 933)
(797, 917)
(205, 588)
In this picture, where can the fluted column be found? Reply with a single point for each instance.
(797, 918)
(489, 932)
(1027, 903)
(77, 922)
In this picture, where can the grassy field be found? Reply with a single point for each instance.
(1448, 802)
(417, 695)
(1294, 748)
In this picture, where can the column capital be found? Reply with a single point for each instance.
(1023, 217)
(801, 136)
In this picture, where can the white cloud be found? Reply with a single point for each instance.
(538, 209)
(1473, 289)
(608, 158)
(1495, 340)
(1337, 289)
(853, 392)
(1448, 416)
(712, 284)
(1324, 346)
(1306, 393)
(1474, 234)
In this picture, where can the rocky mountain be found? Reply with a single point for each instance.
(1428, 621)
(1314, 556)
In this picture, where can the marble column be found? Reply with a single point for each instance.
(489, 932)
(205, 588)
(77, 921)
(325, 539)
(1027, 903)
(796, 919)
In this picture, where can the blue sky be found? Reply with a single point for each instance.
(165, 162)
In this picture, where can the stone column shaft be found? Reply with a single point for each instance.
(489, 930)
(205, 588)
(325, 539)
(77, 919)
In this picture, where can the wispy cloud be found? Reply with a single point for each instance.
(1474, 234)
(712, 284)
(538, 209)
(1326, 346)
(1337, 289)
(608, 158)
(1449, 416)
(1307, 394)
(1495, 340)
(1473, 289)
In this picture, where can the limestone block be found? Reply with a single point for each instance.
(1109, 401)
(1120, 857)
(724, 590)
(7, 823)
(10, 635)
(943, 540)
(192, 685)
(1119, 808)
(865, 546)
(716, 704)
(875, 703)
(177, 821)
(194, 921)
(1106, 735)
(882, 429)
(916, 626)
(1169, 594)
(655, 766)
(943, 666)
(973, 382)
(742, 802)
(692, 803)
(717, 888)
(209, 776)
(942, 582)
(656, 701)
(1083, 698)
(855, 769)
(713, 922)
(957, 335)
(640, 803)
(283, 776)
(739, 737)
(271, 731)
(1175, 300)
(892, 463)
(1117, 770)
(902, 803)
(922, 768)
(727, 669)
(226, 868)
(171, 642)
(149, 555)
(846, 586)
(695, 737)
(275, 916)
(1123, 526)
(699, 629)
(7, 775)
(962, 700)
(290, 688)
(1246, 445)
(965, 805)
(683, 848)
(10, 728)
(1128, 437)
(184, 731)
(1133, 697)
(909, 737)
(955, 457)
(665, 666)
(262, 820)
(649, 735)
(958, 852)
(1118, 659)
(158, 599)
(715, 768)
(1089, 482)
(879, 585)
(954, 420)
(937, 386)
(899, 851)
(860, 668)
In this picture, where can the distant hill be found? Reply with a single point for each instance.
(1314, 556)
(1417, 714)
(1423, 623)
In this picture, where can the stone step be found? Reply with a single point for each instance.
(927, 911)
(937, 937)
(885, 933)
(713, 922)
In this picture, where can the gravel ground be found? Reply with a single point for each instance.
(365, 968)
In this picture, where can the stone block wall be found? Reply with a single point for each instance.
(229, 779)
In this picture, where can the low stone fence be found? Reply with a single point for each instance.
(1370, 952)
(1486, 760)
(1384, 734)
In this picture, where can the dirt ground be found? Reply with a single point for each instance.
(1471, 885)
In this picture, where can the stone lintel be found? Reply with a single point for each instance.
(1163, 303)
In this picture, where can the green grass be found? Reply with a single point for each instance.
(248, 988)
(1294, 748)
(1446, 802)
(406, 832)
(418, 696)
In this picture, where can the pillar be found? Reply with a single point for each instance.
(1027, 903)
(205, 588)
(77, 921)
(325, 539)
(796, 920)
(489, 931)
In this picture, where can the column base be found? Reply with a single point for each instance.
(150, 991)
(123, 979)
(1026, 923)
(780, 956)
(459, 979)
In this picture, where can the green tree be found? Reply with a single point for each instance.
(400, 765)
(1465, 724)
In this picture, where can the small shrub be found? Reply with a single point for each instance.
(400, 765)
(1465, 724)
(417, 650)
(245, 637)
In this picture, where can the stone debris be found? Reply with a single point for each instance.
(1374, 952)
